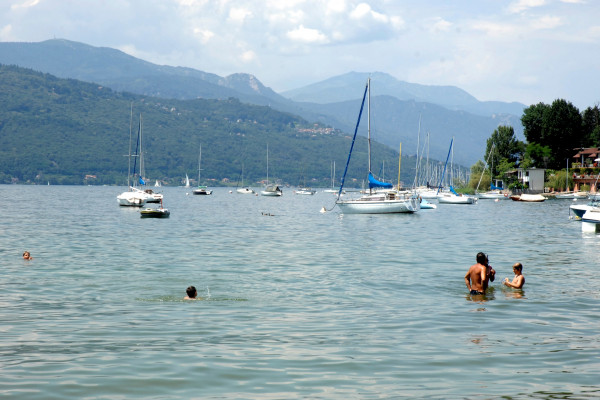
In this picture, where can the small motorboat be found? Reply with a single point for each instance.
(159, 212)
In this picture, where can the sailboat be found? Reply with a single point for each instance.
(244, 189)
(133, 197)
(187, 181)
(453, 197)
(495, 193)
(270, 190)
(201, 190)
(384, 202)
(568, 194)
(333, 189)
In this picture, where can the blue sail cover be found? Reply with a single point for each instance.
(452, 190)
(492, 187)
(374, 183)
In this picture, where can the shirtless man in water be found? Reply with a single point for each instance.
(479, 275)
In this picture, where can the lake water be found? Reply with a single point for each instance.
(297, 304)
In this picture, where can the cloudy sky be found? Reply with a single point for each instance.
(528, 51)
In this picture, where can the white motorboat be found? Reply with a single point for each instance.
(202, 190)
(272, 190)
(133, 198)
(305, 191)
(245, 190)
(383, 202)
(590, 221)
(580, 209)
(153, 197)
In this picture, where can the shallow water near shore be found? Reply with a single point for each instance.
(295, 303)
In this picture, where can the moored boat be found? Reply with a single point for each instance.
(159, 212)
(272, 190)
(531, 198)
(384, 202)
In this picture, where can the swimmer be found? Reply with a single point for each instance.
(27, 256)
(479, 275)
(191, 293)
(519, 280)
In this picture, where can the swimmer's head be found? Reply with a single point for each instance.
(482, 258)
(518, 267)
(191, 292)
(26, 255)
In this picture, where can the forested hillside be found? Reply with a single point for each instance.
(62, 131)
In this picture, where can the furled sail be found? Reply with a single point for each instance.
(374, 183)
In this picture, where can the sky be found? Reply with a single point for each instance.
(528, 51)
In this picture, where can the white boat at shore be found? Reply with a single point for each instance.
(531, 198)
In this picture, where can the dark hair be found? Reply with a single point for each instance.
(191, 291)
(482, 258)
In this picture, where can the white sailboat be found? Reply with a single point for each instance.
(244, 189)
(494, 193)
(333, 189)
(201, 189)
(383, 202)
(187, 181)
(133, 197)
(453, 197)
(270, 190)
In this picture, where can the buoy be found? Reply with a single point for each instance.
(496, 200)
(323, 209)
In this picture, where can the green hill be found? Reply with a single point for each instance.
(62, 130)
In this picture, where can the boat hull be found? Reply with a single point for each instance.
(457, 200)
(378, 205)
(531, 198)
(132, 199)
(493, 196)
(245, 191)
(202, 192)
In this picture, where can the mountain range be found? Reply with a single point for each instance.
(402, 112)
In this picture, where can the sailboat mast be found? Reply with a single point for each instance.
(129, 162)
(267, 164)
(399, 163)
(369, 121)
(199, 164)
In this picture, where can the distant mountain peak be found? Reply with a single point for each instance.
(245, 83)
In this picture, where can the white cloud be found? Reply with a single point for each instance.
(522, 5)
(203, 34)
(440, 25)
(248, 56)
(25, 4)
(306, 35)
(546, 22)
(239, 14)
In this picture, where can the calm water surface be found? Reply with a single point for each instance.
(296, 304)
